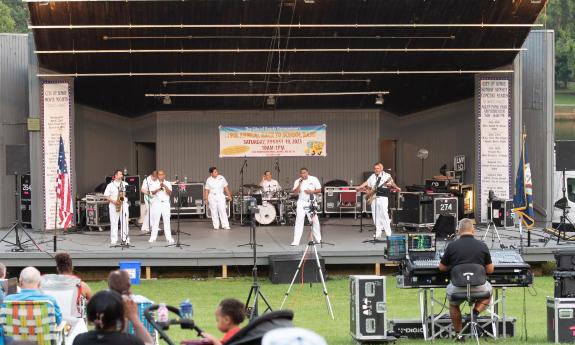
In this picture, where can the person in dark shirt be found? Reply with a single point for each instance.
(466, 250)
(106, 311)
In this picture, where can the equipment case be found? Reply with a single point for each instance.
(368, 310)
(561, 320)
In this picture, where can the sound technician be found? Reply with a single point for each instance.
(466, 250)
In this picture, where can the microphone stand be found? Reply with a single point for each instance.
(242, 209)
(277, 169)
(178, 244)
(148, 203)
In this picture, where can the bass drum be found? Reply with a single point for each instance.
(266, 214)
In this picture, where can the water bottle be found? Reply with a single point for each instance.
(163, 314)
(186, 309)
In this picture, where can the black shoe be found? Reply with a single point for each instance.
(459, 339)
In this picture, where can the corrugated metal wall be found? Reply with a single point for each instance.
(188, 144)
(13, 111)
(538, 102)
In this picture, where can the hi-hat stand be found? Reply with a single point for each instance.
(493, 231)
(255, 289)
(310, 244)
(18, 227)
(178, 244)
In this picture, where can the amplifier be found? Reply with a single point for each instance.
(417, 209)
(561, 320)
(209, 213)
(501, 212)
(368, 310)
(565, 259)
(283, 268)
(413, 329)
(437, 184)
(191, 198)
(564, 284)
(97, 211)
(332, 200)
(445, 207)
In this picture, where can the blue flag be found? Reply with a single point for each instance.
(523, 199)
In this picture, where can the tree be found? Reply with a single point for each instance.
(560, 16)
(7, 24)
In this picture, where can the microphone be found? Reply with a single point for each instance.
(177, 178)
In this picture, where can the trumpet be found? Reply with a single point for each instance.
(162, 187)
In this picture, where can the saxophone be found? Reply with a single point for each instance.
(120, 199)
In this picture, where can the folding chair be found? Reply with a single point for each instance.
(32, 321)
(347, 200)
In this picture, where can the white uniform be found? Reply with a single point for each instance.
(217, 201)
(160, 209)
(379, 210)
(270, 186)
(303, 202)
(146, 214)
(112, 190)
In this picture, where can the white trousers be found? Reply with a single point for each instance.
(114, 223)
(381, 216)
(218, 209)
(160, 209)
(301, 213)
(146, 217)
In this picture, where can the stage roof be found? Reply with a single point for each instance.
(290, 46)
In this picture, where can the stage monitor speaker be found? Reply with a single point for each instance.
(564, 284)
(565, 259)
(444, 227)
(283, 268)
(17, 159)
(564, 155)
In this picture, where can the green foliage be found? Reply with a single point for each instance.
(308, 304)
(560, 16)
(15, 13)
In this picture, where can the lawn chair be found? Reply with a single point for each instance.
(32, 321)
(143, 303)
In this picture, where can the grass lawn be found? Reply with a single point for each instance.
(309, 306)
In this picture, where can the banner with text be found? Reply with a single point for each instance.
(56, 144)
(493, 126)
(273, 141)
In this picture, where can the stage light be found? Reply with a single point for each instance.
(379, 99)
(271, 101)
(167, 100)
(309, 1)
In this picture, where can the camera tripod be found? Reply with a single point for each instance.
(493, 231)
(255, 289)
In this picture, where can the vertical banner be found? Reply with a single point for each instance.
(273, 141)
(493, 127)
(56, 101)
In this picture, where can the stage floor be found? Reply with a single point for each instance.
(208, 247)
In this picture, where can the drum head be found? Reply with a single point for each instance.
(267, 214)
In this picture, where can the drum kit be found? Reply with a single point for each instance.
(275, 206)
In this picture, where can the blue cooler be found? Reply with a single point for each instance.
(134, 268)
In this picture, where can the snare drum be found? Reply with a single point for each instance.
(266, 214)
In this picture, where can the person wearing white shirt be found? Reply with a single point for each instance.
(214, 196)
(268, 184)
(112, 192)
(307, 187)
(147, 214)
(161, 190)
(382, 182)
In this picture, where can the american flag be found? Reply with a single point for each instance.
(63, 190)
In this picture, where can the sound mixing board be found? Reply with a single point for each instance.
(510, 270)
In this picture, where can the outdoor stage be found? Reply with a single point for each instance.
(208, 247)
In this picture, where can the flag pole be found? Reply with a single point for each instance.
(523, 137)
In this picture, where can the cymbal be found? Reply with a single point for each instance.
(252, 186)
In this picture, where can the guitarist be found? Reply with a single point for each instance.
(381, 184)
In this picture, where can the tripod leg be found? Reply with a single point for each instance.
(294, 276)
(323, 283)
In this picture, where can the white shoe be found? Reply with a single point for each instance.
(145, 231)
(113, 243)
(171, 241)
(216, 228)
(151, 241)
(227, 228)
(294, 244)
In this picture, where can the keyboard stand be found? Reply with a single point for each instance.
(432, 329)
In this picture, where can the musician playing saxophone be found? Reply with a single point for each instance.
(115, 193)
(382, 184)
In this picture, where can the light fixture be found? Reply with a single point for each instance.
(309, 1)
(379, 99)
(271, 101)
(422, 154)
(167, 100)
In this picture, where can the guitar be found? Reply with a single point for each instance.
(371, 193)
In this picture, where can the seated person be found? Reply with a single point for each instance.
(106, 311)
(2, 277)
(119, 281)
(229, 315)
(30, 284)
(64, 267)
(466, 250)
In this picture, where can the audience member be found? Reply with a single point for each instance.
(30, 284)
(2, 277)
(119, 281)
(229, 315)
(292, 335)
(64, 267)
(106, 311)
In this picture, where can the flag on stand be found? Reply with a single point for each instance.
(523, 199)
(63, 190)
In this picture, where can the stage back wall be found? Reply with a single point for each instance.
(188, 144)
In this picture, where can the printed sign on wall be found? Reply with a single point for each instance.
(273, 141)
